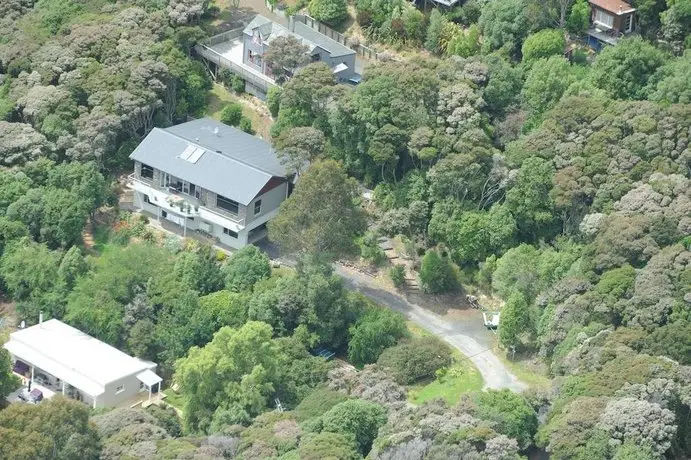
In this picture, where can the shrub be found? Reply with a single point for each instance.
(543, 44)
(371, 251)
(415, 359)
(437, 274)
(327, 445)
(510, 412)
(237, 84)
(331, 12)
(377, 329)
(245, 268)
(397, 275)
(357, 418)
(317, 403)
(225, 76)
(273, 100)
(232, 114)
(246, 125)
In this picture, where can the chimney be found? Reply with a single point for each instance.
(40, 317)
(621, 7)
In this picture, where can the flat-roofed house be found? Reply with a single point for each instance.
(209, 177)
(68, 361)
(610, 19)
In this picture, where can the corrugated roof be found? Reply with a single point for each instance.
(332, 46)
(613, 6)
(241, 169)
(73, 356)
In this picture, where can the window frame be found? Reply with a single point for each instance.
(600, 14)
(146, 167)
(257, 203)
(231, 204)
(230, 233)
(119, 389)
(628, 23)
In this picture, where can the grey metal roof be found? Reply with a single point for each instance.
(244, 165)
(270, 30)
(332, 46)
(257, 21)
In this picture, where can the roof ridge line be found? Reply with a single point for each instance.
(209, 149)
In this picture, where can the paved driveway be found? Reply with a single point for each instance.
(469, 336)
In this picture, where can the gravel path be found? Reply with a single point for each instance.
(468, 336)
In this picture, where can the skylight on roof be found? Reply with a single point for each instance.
(196, 155)
(185, 155)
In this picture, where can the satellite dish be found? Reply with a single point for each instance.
(22, 325)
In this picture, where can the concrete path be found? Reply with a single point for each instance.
(469, 336)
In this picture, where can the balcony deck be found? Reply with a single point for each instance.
(165, 199)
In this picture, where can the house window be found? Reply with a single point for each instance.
(604, 19)
(230, 233)
(119, 389)
(628, 23)
(147, 171)
(257, 207)
(146, 199)
(227, 204)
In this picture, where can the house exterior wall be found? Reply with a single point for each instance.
(249, 45)
(132, 387)
(245, 217)
(271, 201)
(109, 398)
(619, 21)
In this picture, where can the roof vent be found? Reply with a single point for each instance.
(218, 151)
(216, 131)
(196, 139)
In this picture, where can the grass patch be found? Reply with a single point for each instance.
(219, 97)
(460, 378)
(174, 399)
(102, 243)
(524, 373)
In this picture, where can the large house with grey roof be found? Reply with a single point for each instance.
(261, 31)
(211, 178)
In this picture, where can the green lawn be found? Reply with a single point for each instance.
(174, 399)
(461, 378)
(524, 373)
(220, 97)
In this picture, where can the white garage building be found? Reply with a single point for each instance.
(65, 360)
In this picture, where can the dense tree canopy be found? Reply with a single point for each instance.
(314, 221)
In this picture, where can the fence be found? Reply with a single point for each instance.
(212, 56)
(361, 49)
(224, 37)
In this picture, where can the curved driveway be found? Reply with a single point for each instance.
(469, 337)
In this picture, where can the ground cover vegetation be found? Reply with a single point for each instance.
(558, 185)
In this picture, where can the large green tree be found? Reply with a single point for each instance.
(504, 24)
(357, 419)
(376, 330)
(623, 71)
(322, 215)
(331, 12)
(230, 379)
